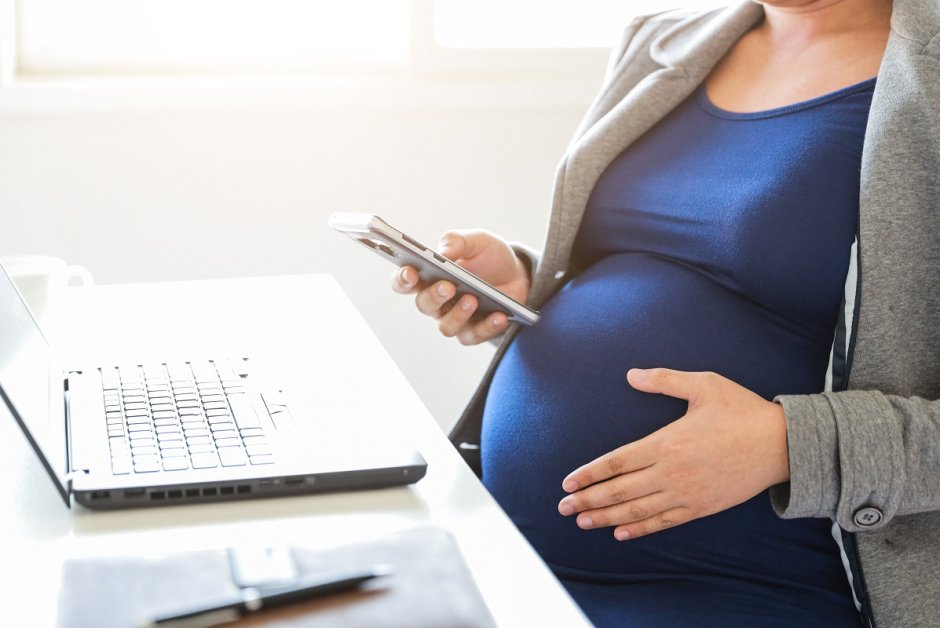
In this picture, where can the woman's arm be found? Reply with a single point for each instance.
(860, 457)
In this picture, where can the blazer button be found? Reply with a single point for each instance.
(867, 517)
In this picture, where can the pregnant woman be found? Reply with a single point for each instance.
(724, 416)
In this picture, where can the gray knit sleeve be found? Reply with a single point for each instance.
(860, 457)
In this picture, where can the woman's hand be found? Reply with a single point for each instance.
(488, 257)
(730, 446)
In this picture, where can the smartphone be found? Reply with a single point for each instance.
(384, 240)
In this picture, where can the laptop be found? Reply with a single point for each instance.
(156, 433)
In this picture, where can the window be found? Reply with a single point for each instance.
(209, 36)
(76, 38)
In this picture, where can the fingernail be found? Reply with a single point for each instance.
(465, 305)
(566, 509)
(638, 375)
(445, 243)
(404, 277)
(621, 535)
(496, 322)
(569, 486)
(443, 291)
(585, 522)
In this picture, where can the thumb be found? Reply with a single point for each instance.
(464, 245)
(678, 384)
(452, 245)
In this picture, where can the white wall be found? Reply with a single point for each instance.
(189, 187)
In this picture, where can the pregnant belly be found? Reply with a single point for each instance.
(559, 399)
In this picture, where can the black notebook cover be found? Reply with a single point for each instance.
(430, 586)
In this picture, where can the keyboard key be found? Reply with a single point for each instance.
(211, 413)
(178, 370)
(225, 434)
(175, 464)
(137, 412)
(189, 398)
(198, 440)
(233, 457)
(215, 405)
(138, 420)
(243, 411)
(228, 442)
(193, 432)
(122, 467)
(129, 372)
(262, 459)
(201, 448)
(164, 415)
(173, 452)
(145, 458)
(136, 436)
(192, 418)
(219, 420)
(142, 450)
(116, 431)
(215, 398)
(258, 450)
(223, 426)
(114, 422)
(205, 460)
(203, 372)
(165, 422)
(170, 438)
(168, 429)
(189, 405)
(140, 428)
(146, 467)
(163, 407)
(254, 440)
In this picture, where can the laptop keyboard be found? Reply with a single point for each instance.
(178, 416)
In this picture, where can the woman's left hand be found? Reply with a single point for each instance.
(729, 446)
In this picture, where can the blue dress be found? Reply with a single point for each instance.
(718, 241)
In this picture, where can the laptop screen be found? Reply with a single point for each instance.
(26, 380)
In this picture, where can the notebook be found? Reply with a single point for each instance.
(155, 433)
(429, 586)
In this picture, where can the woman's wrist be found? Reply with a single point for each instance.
(779, 457)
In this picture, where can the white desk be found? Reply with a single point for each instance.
(288, 317)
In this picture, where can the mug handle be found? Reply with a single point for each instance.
(81, 274)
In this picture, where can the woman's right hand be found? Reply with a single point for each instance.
(487, 256)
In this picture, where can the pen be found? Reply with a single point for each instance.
(251, 600)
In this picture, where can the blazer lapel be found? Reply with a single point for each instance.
(686, 53)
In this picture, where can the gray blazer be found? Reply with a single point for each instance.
(868, 454)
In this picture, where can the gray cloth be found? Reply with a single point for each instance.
(868, 457)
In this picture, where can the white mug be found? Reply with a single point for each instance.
(40, 279)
